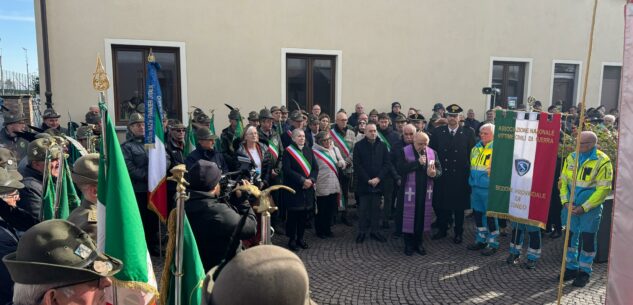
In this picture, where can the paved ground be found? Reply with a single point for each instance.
(343, 272)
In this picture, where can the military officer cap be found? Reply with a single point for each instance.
(416, 117)
(9, 182)
(401, 118)
(234, 114)
(57, 251)
(84, 132)
(438, 106)
(454, 109)
(38, 147)
(296, 116)
(13, 117)
(86, 169)
(92, 118)
(263, 275)
(275, 108)
(50, 113)
(9, 162)
(135, 118)
(176, 124)
(205, 134)
(373, 112)
(283, 109)
(266, 114)
(253, 116)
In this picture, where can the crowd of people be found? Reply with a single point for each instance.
(397, 170)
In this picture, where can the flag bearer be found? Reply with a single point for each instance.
(516, 244)
(593, 184)
(480, 160)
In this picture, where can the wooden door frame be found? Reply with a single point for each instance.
(527, 85)
(338, 82)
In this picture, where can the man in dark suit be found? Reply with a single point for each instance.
(451, 191)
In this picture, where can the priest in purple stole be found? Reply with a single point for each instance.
(418, 166)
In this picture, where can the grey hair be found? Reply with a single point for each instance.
(488, 125)
(409, 126)
(609, 116)
(423, 134)
(31, 294)
(296, 131)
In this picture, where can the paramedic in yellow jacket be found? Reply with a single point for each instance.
(595, 173)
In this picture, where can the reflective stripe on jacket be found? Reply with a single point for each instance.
(593, 183)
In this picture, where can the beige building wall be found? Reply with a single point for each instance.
(415, 51)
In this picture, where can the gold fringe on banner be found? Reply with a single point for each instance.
(169, 257)
(529, 222)
(135, 286)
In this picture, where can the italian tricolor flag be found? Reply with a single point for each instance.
(523, 165)
(155, 143)
(120, 230)
(157, 171)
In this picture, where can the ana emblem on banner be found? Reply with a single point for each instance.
(522, 166)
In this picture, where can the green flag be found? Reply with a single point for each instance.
(218, 142)
(192, 270)
(48, 201)
(190, 140)
(121, 233)
(68, 199)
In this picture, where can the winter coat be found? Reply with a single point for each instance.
(136, 160)
(246, 161)
(371, 160)
(294, 177)
(213, 224)
(327, 181)
(207, 154)
(32, 193)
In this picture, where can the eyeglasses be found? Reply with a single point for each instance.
(180, 130)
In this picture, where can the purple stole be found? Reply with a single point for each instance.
(408, 213)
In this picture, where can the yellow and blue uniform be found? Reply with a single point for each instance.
(479, 180)
(593, 185)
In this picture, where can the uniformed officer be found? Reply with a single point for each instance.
(253, 118)
(85, 174)
(57, 263)
(13, 124)
(229, 141)
(86, 137)
(451, 191)
(51, 120)
(594, 183)
(418, 121)
(8, 232)
(137, 160)
(33, 191)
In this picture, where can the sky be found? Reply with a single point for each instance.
(17, 31)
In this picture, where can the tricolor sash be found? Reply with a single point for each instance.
(340, 141)
(408, 214)
(327, 159)
(300, 158)
(273, 149)
(384, 140)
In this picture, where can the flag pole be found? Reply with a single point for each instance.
(60, 177)
(581, 122)
(178, 173)
(101, 84)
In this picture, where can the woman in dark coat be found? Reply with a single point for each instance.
(300, 171)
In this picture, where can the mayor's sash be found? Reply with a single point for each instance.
(409, 198)
(300, 158)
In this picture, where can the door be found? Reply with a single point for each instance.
(509, 77)
(310, 81)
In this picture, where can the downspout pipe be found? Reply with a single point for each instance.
(47, 64)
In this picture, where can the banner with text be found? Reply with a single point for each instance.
(523, 165)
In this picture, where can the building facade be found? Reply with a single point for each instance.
(252, 54)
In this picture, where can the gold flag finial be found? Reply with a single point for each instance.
(100, 78)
